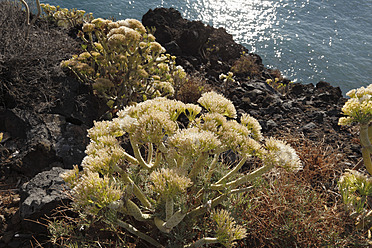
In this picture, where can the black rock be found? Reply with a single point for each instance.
(40, 196)
(310, 127)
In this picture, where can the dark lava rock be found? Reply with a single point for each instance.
(39, 198)
(309, 127)
(38, 139)
(42, 194)
(202, 46)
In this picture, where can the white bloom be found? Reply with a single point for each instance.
(192, 141)
(282, 155)
(216, 103)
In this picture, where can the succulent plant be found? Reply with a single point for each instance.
(66, 18)
(124, 63)
(356, 187)
(175, 174)
(358, 109)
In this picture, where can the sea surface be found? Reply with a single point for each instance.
(307, 40)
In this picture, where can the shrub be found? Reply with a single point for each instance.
(190, 88)
(298, 210)
(28, 66)
(174, 179)
(123, 62)
(246, 65)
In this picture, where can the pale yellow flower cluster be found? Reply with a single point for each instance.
(133, 24)
(165, 87)
(354, 187)
(152, 127)
(242, 138)
(236, 137)
(191, 142)
(227, 229)
(356, 181)
(100, 23)
(71, 176)
(172, 107)
(156, 47)
(123, 35)
(216, 103)
(282, 155)
(168, 182)
(359, 107)
(66, 18)
(104, 128)
(253, 125)
(103, 155)
(93, 192)
(192, 111)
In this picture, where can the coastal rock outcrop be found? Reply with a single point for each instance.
(38, 141)
(196, 45)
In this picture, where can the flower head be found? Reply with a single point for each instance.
(93, 193)
(153, 127)
(191, 142)
(165, 87)
(133, 24)
(282, 155)
(168, 182)
(88, 27)
(227, 229)
(253, 125)
(216, 103)
(156, 47)
(101, 23)
(71, 177)
(359, 107)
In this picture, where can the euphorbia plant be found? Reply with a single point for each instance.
(123, 62)
(358, 109)
(356, 187)
(175, 176)
(66, 18)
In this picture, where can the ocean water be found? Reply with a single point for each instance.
(307, 40)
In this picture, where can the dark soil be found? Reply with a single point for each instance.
(45, 112)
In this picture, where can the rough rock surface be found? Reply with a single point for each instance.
(196, 45)
(42, 194)
(37, 141)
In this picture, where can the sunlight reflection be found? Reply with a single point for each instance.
(247, 21)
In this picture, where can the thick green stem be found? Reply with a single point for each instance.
(169, 205)
(213, 203)
(197, 166)
(140, 234)
(202, 242)
(212, 167)
(244, 179)
(204, 208)
(130, 158)
(233, 171)
(136, 190)
(367, 159)
(158, 158)
(174, 220)
(138, 155)
(135, 211)
(150, 153)
(366, 147)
